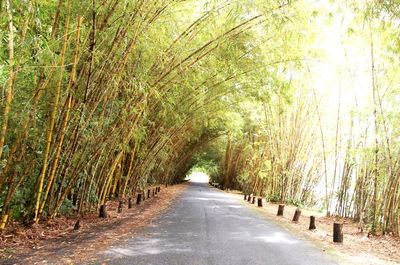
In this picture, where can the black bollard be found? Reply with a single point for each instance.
(120, 206)
(77, 225)
(281, 208)
(103, 211)
(312, 223)
(296, 215)
(338, 232)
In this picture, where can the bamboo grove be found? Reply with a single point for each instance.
(343, 159)
(101, 98)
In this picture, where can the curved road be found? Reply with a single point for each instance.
(207, 226)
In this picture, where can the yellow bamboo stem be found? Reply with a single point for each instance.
(109, 178)
(11, 76)
(3, 222)
(52, 117)
(66, 118)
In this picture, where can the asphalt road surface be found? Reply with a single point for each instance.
(208, 226)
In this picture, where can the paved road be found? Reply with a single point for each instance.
(207, 226)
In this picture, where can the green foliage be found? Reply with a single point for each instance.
(274, 198)
(295, 202)
(66, 206)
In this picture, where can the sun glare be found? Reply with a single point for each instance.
(198, 177)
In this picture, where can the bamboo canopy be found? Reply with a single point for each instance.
(101, 98)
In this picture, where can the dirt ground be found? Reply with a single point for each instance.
(357, 247)
(58, 243)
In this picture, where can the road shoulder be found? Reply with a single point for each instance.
(356, 249)
(84, 245)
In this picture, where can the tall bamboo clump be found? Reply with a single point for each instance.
(270, 159)
(291, 154)
(104, 97)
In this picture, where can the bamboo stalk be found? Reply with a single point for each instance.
(66, 118)
(11, 76)
(52, 116)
